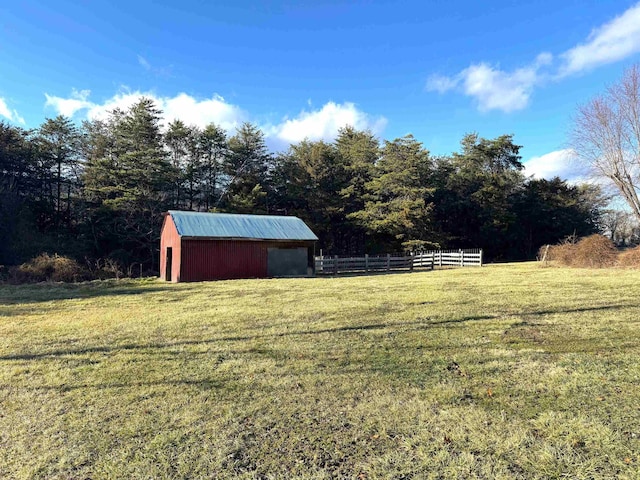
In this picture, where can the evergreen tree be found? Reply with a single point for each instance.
(59, 148)
(129, 179)
(550, 210)
(19, 188)
(475, 194)
(308, 180)
(212, 147)
(178, 140)
(358, 151)
(247, 167)
(397, 205)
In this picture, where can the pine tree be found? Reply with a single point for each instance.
(129, 181)
(178, 140)
(358, 152)
(59, 146)
(397, 198)
(247, 167)
(212, 147)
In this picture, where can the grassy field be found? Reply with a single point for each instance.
(509, 371)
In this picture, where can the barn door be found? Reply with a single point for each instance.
(287, 262)
(169, 263)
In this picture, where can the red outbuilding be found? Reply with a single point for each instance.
(196, 246)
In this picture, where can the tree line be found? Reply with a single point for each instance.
(98, 190)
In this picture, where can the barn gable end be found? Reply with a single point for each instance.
(170, 247)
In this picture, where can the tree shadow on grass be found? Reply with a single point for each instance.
(419, 324)
(370, 273)
(10, 296)
(578, 310)
(164, 345)
(206, 384)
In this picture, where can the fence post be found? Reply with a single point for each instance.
(411, 257)
(366, 262)
(480, 257)
(388, 262)
(335, 264)
(461, 258)
(440, 258)
(433, 261)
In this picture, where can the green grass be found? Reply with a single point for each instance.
(509, 371)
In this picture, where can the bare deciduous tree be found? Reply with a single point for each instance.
(606, 136)
(621, 227)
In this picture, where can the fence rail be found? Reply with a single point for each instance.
(425, 260)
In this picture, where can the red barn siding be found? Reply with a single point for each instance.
(200, 259)
(222, 259)
(169, 238)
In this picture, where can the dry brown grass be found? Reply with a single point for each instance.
(630, 258)
(594, 251)
(563, 253)
(45, 267)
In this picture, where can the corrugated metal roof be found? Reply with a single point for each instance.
(229, 225)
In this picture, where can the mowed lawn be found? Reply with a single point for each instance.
(505, 371)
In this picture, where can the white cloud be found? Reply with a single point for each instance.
(559, 163)
(185, 107)
(9, 114)
(202, 112)
(78, 100)
(324, 124)
(496, 89)
(182, 106)
(608, 43)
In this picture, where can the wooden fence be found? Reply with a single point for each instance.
(425, 260)
(470, 257)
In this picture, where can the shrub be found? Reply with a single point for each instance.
(563, 253)
(595, 251)
(630, 258)
(47, 267)
(103, 268)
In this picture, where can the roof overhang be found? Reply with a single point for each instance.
(245, 239)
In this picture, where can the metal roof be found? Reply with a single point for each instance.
(229, 225)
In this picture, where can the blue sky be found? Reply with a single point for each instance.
(303, 69)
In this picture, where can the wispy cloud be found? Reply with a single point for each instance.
(10, 114)
(442, 83)
(319, 124)
(611, 42)
(144, 63)
(158, 71)
(510, 90)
